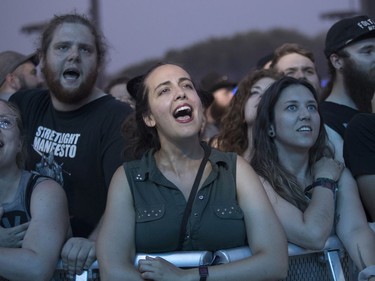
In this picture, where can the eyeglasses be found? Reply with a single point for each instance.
(7, 122)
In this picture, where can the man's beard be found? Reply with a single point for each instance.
(24, 86)
(360, 85)
(65, 95)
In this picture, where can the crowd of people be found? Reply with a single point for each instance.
(159, 163)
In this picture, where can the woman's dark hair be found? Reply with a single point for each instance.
(21, 156)
(58, 20)
(265, 157)
(233, 133)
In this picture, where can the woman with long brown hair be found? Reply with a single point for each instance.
(312, 193)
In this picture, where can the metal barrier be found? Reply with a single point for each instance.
(332, 263)
(182, 259)
(305, 264)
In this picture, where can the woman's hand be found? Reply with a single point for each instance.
(159, 269)
(327, 168)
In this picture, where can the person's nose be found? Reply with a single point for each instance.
(304, 114)
(180, 94)
(74, 54)
(300, 75)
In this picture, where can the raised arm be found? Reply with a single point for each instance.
(40, 251)
(309, 228)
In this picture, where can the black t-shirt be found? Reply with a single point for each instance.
(86, 143)
(359, 145)
(336, 116)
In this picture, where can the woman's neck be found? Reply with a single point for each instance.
(297, 164)
(180, 165)
(178, 156)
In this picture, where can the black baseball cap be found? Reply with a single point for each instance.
(347, 31)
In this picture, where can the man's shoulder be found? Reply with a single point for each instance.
(328, 105)
(362, 118)
(336, 111)
(27, 96)
(110, 104)
(106, 113)
(362, 124)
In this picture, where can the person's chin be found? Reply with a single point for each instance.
(70, 85)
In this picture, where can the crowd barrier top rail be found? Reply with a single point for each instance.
(332, 251)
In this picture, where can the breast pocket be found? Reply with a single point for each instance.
(149, 213)
(228, 211)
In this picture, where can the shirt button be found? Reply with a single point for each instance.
(195, 214)
(201, 197)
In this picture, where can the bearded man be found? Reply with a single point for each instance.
(74, 129)
(350, 50)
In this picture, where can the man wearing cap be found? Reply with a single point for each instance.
(350, 50)
(219, 89)
(17, 72)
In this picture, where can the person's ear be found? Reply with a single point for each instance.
(271, 132)
(12, 81)
(149, 120)
(336, 61)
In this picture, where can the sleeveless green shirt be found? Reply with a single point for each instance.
(216, 220)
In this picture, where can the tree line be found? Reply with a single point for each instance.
(234, 56)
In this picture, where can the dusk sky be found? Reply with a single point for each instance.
(136, 30)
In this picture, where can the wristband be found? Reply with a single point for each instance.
(323, 182)
(203, 272)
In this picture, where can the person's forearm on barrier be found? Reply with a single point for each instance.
(352, 227)
(78, 254)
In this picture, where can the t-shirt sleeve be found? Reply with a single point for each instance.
(20, 98)
(359, 145)
(114, 141)
(29, 100)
